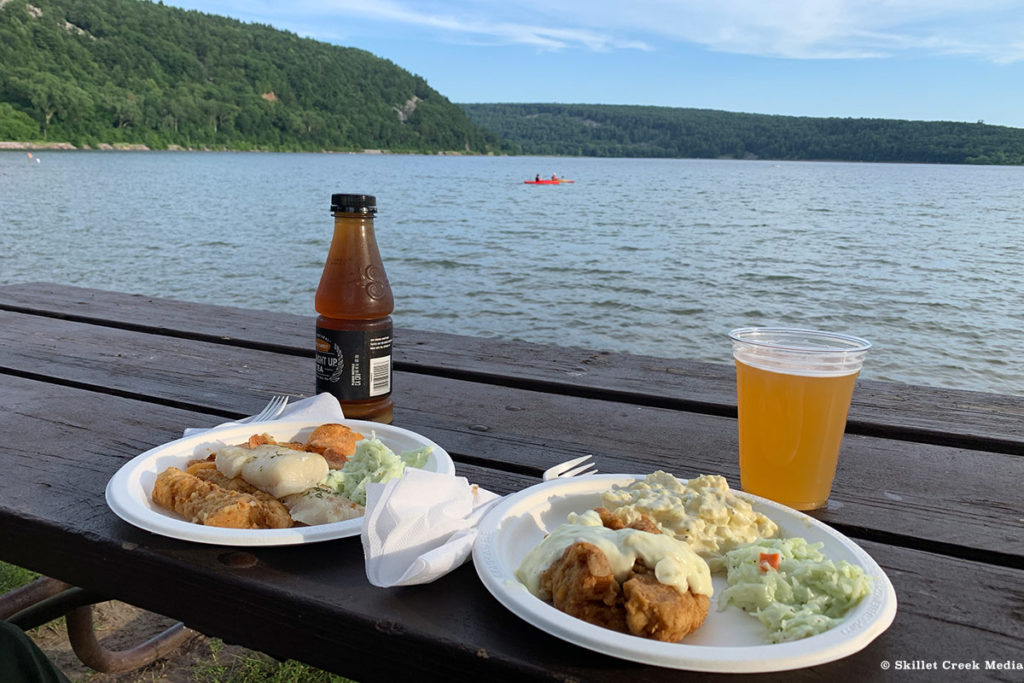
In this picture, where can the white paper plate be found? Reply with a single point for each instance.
(129, 491)
(729, 641)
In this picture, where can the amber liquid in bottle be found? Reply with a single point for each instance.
(354, 329)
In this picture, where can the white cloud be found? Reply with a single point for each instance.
(798, 29)
(477, 22)
(816, 29)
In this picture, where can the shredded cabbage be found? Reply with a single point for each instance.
(372, 462)
(808, 594)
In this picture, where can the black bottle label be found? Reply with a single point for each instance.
(354, 365)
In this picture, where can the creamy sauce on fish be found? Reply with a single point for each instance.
(278, 470)
(673, 562)
(321, 505)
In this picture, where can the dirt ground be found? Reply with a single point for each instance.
(119, 627)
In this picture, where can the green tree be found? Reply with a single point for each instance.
(124, 70)
(16, 125)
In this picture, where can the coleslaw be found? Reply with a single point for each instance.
(791, 587)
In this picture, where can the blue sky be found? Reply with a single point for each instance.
(953, 60)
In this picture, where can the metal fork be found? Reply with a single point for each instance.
(570, 468)
(272, 410)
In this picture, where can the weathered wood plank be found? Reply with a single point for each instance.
(454, 630)
(927, 414)
(897, 492)
(53, 519)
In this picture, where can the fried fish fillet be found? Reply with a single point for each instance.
(204, 502)
(654, 610)
(335, 442)
(612, 521)
(582, 584)
(266, 439)
(271, 514)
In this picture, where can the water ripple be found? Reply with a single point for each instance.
(657, 257)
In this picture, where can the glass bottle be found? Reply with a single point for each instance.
(354, 300)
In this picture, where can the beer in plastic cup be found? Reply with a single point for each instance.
(793, 390)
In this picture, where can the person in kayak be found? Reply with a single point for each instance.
(554, 176)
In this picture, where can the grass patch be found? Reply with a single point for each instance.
(12, 577)
(250, 667)
(257, 668)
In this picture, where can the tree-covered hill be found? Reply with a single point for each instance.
(638, 131)
(108, 71)
(132, 71)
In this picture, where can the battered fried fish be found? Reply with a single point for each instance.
(654, 610)
(583, 585)
(266, 439)
(204, 502)
(273, 514)
(335, 442)
(613, 521)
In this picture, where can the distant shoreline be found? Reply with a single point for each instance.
(68, 146)
(11, 145)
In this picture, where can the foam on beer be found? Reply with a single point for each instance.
(807, 353)
(820, 363)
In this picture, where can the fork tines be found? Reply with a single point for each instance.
(570, 468)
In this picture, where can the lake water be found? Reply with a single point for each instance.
(658, 257)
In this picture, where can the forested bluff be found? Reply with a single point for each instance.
(142, 75)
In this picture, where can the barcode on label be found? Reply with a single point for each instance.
(380, 375)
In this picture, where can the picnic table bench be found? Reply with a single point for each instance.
(929, 484)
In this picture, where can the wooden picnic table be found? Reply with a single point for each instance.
(929, 484)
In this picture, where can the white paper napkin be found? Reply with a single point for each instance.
(321, 409)
(421, 526)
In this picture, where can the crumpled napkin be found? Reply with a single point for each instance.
(421, 526)
(321, 409)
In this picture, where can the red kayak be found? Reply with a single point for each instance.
(547, 182)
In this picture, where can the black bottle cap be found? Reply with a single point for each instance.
(353, 203)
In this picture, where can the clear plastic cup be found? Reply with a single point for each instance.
(793, 390)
